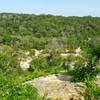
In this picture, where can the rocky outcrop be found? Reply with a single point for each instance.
(59, 86)
(25, 60)
(98, 80)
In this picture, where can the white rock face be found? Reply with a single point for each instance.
(25, 63)
(78, 50)
(67, 50)
(27, 53)
(77, 53)
(64, 54)
(37, 52)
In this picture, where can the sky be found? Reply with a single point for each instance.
(54, 7)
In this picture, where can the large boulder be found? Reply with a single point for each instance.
(59, 86)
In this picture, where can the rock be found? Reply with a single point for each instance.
(78, 50)
(27, 53)
(58, 86)
(25, 62)
(24, 65)
(98, 82)
(64, 54)
(37, 52)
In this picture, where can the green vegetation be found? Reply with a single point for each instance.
(92, 91)
(54, 34)
(12, 90)
(31, 31)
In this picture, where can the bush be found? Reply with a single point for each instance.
(95, 46)
(39, 63)
(8, 60)
(11, 90)
(55, 61)
(4, 61)
(92, 90)
(85, 70)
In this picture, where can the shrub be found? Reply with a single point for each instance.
(8, 61)
(56, 61)
(4, 61)
(92, 90)
(85, 70)
(95, 46)
(39, 63)
(11, 90)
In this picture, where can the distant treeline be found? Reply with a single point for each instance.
(36, 31)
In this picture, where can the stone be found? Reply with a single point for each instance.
(58, 86)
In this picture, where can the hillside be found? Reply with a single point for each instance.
(23, 30)
(35, 46)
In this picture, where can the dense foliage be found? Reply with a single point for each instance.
(23, 32)
(30, 31)
(12, 90)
